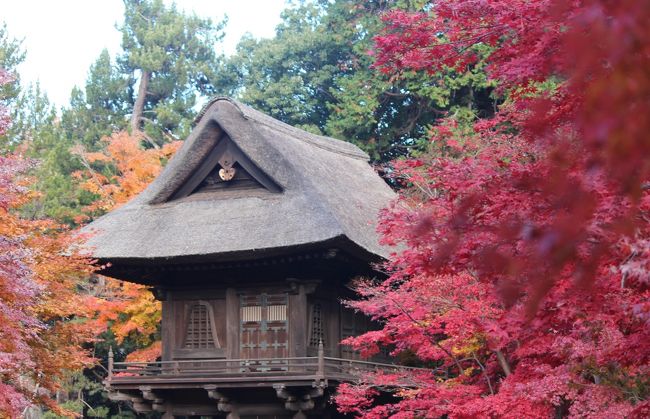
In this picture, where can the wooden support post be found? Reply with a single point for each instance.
(321, 359)
(110, 363)
(168, 328)
(298, 322)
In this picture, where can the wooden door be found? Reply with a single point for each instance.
(263, 326)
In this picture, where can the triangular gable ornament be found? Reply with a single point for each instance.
(226, 167)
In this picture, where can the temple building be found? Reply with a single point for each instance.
(249, 237)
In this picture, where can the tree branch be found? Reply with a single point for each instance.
(503, 362)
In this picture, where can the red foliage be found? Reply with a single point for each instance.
(524, 282)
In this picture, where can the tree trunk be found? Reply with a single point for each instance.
(138, 107)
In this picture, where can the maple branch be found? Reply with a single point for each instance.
(503, 362)
(625, 273)
(487, 377)
(432, 339)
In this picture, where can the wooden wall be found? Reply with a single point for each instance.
(314, 312)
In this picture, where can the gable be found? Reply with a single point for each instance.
(226, 168)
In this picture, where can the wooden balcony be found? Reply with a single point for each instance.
(238, 372)
(300, 383)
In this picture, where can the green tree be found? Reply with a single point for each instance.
(37, 128)
(316, 73)
(102, 107)
(11, 55)
(288, 76)
(173, 57)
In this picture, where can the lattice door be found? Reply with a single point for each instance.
(264, 326)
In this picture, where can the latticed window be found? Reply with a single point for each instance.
(317, 330)
(200, 328)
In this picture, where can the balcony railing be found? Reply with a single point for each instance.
(319, 367)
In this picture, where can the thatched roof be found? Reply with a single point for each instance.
(292, 189)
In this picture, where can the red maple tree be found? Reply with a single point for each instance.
(524, 285)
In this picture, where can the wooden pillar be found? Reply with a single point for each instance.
(110, 363)
(298, 323)
(168, 329)
(333, 328)
(232, 323)
(321, 359)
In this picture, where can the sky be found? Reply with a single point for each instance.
(63, 38)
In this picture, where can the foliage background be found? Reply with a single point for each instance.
(520, 157)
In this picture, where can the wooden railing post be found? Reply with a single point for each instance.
(321, 359)
(110, 362)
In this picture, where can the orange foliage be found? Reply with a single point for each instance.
(146, 354)
(133, 169)
(128, 309)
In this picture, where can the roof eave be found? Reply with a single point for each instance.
(112, 266)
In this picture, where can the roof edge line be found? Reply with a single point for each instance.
(340, 241)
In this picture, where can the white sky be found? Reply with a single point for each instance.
(63, 38)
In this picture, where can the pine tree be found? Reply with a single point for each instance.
(173, 56)
(102, 107)
(11, 55)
